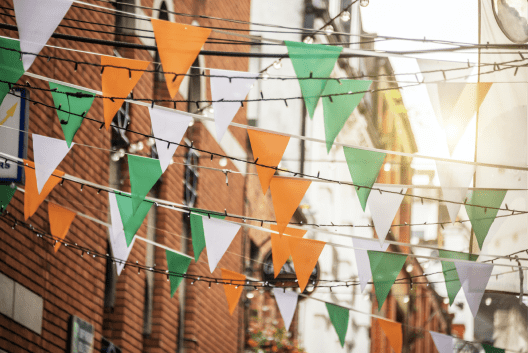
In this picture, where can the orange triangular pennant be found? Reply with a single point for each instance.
(233, 287)
(304, 253)
(393, 331)
(268, 148)
(60, 220)
(118, 82)
(280, 249)
(32, 199)
(287, 194)
(178, 46)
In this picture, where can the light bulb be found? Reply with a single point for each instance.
(151, 141)
(191, 123)
(488, 301)
(265, 76)
(345, 16)
(222, 161)
(132, 148)
(115, 157)
(121, 152)
(409, 268)
(171, 161)
(446, 300)
(210, 110)
(277, 64)
(406, 299)
(308, 40)
(329, 30)
(364, 3)
(139, 145)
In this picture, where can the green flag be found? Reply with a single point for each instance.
(197, 232)
(385, 268)
(312, 60)
(337, 109)
(131, 220)
(482, 218)
(177, 264)
(11, 67)
(144, 173)
(6, 194)
(339, 318)
(452, 281)
(364, 167)
(70, 123)
(491, 349)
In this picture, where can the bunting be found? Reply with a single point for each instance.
(443, 343)
(118, 240)
(48, 153)
(304, 253)
(144, 173)
(383, 208)
(452, 281)
(268, 150)
(312, 61)
(178, 46)
(6, 194)
(491, 349)
(197, 232)
(218, 236)
(177, 265)
(393, 331)
(482, 218)
(455, 179)
(280, 249)
(234, 289)
(339, 317)
(130, 219)
(286, 194)
(474, 278)
(32, 198)
(60, 220)
(10, 64)
(362, 259)
(287, 303)
(385, 269)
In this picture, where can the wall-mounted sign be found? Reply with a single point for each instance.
(14, 113)
(81, 336)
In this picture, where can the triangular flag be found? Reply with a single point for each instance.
(131, 220)
(178, 46)
(452, 281)
(339, 317)
(316, 61)
(6, 194)
(364, 167)
(455, 180)
(491, 349)
(385, 269)
(228, 90)
(280, 250)
(32, 198)
(482, 218)
(177, 265)
(197, 232)
(362, 259)
(168, 126)
(48, 153)
(233, 287)
(76, 105)
(304, 253)
(393, 332)
(443, 343)
(120, 250)
(383, 208)
(474, 278)
(144, 173)
(268, 148)
(11, 68)
(287, 303)
(60, 220)
(286, 194)
(36, 22)
(120, 76)
(337, 108)
(218, 236)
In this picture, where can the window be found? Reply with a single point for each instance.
(191, 177)
(125, 24)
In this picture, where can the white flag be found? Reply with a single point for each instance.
(455, 179)
(383, 208)
(443, 343)
(48, 152)
(474, 278)
(117, 234)
(218, 236)
(168, 126)
(287, 302)
(362, 259)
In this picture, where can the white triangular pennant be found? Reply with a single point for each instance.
(474, 278)
(383, 207)
(443, 343)
(455, 179)
(362, 259)
(228, 89)
(36, 22)
(48, 152)
(218, 236)
(167, 126)
(287, 303)
(117, 235)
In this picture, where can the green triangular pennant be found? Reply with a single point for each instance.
(6, 194)
(385, 268)
(452, 281)
(312, 60)
(11, 67)
(76, 105)
(339, 318)
(491, 349)
(337, 109)
(364, 167)
(482, 218)
(131, 221)
(197, 232)
(179, 264)
(144, 173)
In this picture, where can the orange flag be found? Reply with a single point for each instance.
(178, 46)
(118, 82)
(304, 253)
(393, 331)
(231, 290)
(287, 194)
(32, 199)
(60, 220)
(280, 249)
(268, 148)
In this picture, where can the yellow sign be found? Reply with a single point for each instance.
(9, 114)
